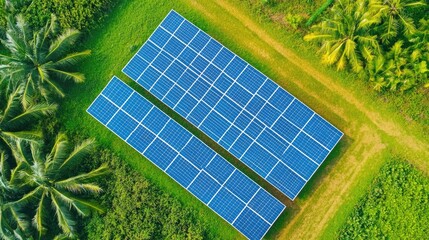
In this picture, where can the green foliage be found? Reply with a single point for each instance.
(346, 38)
(38, 60)
(17, 122)
(139, 210)
(397, 60)
(393, 17)
(318, 12)
(396, 206)
(77, 14)
(277, 10)
(294, 20)
(43, 192)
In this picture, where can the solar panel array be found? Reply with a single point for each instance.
(182, 156)
(248, 114)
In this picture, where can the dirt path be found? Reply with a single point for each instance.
(324, 202)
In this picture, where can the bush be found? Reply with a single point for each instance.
(139, 210)
(396, 206)
(294, 20)
(76, 14)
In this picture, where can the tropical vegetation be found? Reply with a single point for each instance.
(78, 14)
(16, 120)
(378, 39)
(42, 188)
(38, 60)
(395, 207)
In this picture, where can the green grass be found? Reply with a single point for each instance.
(132, 21)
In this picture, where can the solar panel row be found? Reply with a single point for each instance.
(182, 156)
(248, 114)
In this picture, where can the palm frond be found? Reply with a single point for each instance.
(13, 106)
(79, 152)
(64, 217)
(24, 200)
(4, 172)
(28, 92)
(6, 230)
(50, 28)
(52, 86)
(79, 183)
(30, 115)
(62, 44)
(59, 152)
(330, 57)
(71, 59)
(75, 76)
(43, 74)
(314, 36)
(28, 136)
(21, 220)
(415, 4)
(39, 217)
(82, 206)
(16, 35)
(342, 62)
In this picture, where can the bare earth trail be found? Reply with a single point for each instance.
(365, 137)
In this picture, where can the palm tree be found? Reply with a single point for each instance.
(49, 186)
(376, 70)
(393, 17)
(39, 60)
(403, 68)
(346, 38)
(15, 120)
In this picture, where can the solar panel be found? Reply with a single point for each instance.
(182, 156)
(251, 116)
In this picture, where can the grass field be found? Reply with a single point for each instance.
(372, 130)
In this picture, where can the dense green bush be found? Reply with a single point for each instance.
(76, 14)
(139, 210)
(396, 206)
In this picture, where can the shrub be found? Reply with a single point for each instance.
(396, 206)
(294, 20)
(77, 14)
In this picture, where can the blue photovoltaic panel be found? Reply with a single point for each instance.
(186, 159)
(233, 103)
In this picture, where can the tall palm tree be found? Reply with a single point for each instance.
(345, 37)
(50, 186)
(393, 17)
(16, 121)
(39, 60)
